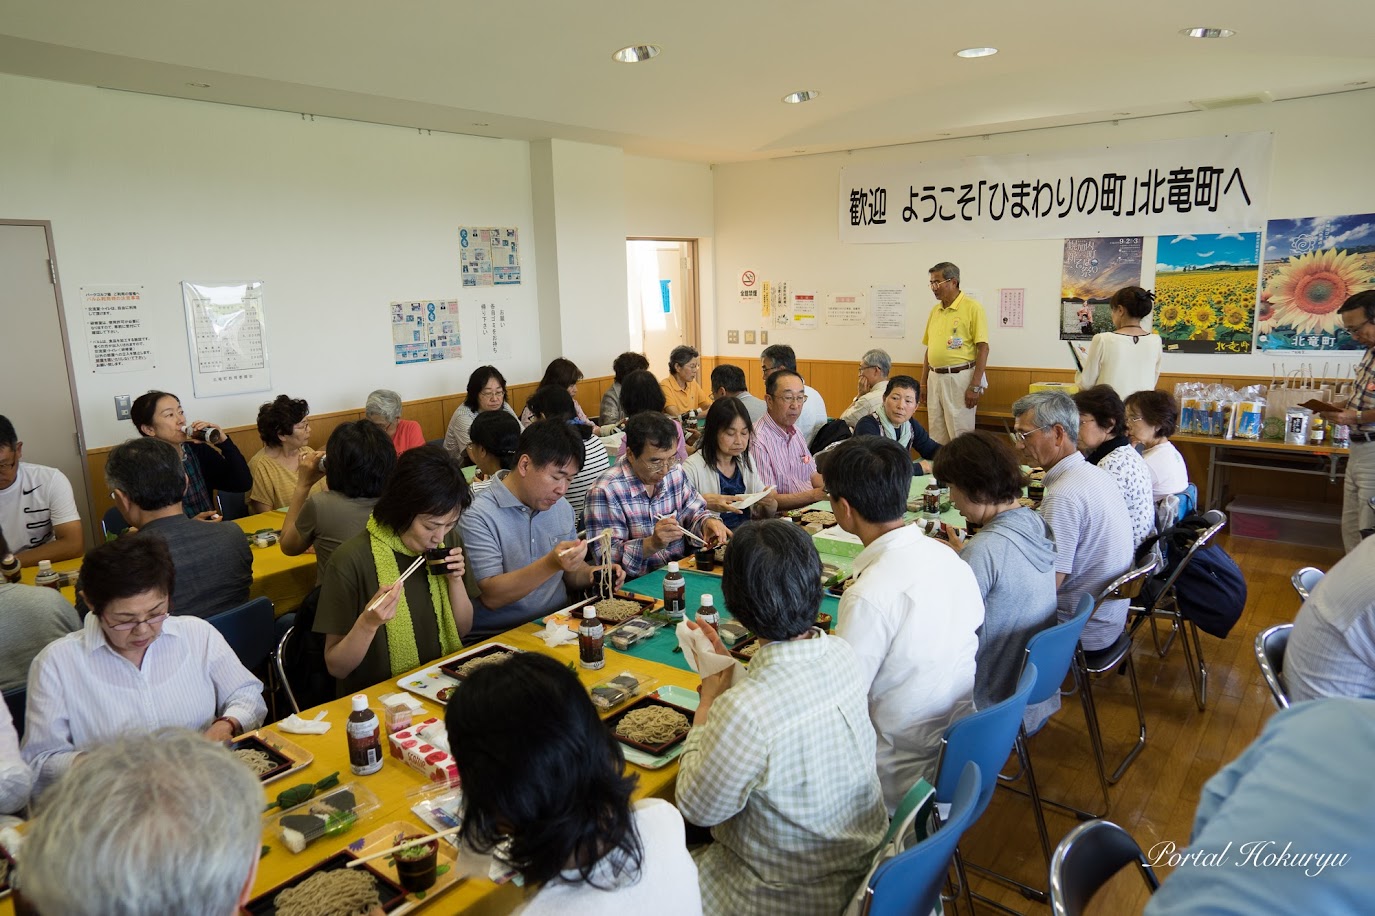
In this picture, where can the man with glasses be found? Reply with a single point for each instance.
(1358, 317)
(1084, 509)
(956, 341)
(874, 367)
(647, 502)
(778, 357)
(780, 447)
(38, 515)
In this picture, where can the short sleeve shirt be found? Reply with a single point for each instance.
(953, 332)
(39, 498)
(328, 519)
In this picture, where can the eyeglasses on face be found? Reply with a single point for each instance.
(135, 624)
(789, 398)
(1023, 436)
(657, 464)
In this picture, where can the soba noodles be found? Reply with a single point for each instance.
(616, 610)
(652, 725)
(256, 760)
(482, 661)
(341, 892)
(819, 516)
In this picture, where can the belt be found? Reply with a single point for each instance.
(949, 370)
(1362, 437)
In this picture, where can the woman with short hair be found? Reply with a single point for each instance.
(1103, 440)
(554, 403)
(486, 394)
(284, 427)
(682, 391)
(641, 393)
(492, 442)
(896, 419)
(611, 410)
(565, 374)
(1152, 418)
(383, 410)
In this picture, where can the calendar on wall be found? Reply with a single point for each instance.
(228, 338)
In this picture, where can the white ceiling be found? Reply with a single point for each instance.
(527, 70)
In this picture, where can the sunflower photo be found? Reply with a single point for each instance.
(1311, 267)
(1205, 291)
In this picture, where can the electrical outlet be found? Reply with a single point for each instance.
(749, 337)
(122, 405)
(733, 337)
(764, 338)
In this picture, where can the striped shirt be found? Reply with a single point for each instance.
(82, 692)
(595, 463)
(1363, 390)
(1331, 649)
(782, 456)
(620, 503)
(783, 771)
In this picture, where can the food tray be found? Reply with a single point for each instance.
(447, 872)
(352, 801)
(618, 690)
(450, 666)
(737, 650)
(282, 762)
(643, 601)
(391, 895)
(652, 700)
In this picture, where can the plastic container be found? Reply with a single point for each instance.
(47, 576)
(1297, 421)
(634, 630)
(675, 593)
(365, 738)
(1286, 520)
(620, 689)
(331, 813)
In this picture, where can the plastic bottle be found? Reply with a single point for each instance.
(1341, 436)
(675, 592)
(47, 576)
(591, 644)
(931, 499)
(706, 613)
(9, 566)
(365, 738)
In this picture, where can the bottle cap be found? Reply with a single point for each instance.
(45, 565)
(708, 601)
(672, 566)
(360, 702)
(589, 613)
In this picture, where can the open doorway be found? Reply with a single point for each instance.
(662, 284)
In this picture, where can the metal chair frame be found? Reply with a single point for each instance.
(1087, 858)
(277, 663)
(1270, 647)
(1304, 579)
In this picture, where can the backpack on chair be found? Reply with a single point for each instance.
(1210, 591)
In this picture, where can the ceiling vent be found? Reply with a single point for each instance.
(1235, 101)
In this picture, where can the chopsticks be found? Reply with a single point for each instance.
(581, 545)
(687, 534)
(418, 841)
(404, 576)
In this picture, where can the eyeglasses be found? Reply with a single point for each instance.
(766, 369)
(939, 282)
(1134, 418)
(1351, 330)
(1027, 435)
(789, 398)
(135, 624)
(657, 464)
(499, 393)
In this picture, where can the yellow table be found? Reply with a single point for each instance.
(285, 580)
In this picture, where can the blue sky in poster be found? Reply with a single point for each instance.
(1176, 252)
(1286, 237)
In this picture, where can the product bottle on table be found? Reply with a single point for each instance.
(365, 738)
(931, 499)
(675, 592)
(591, 646)
(10, 567)
(47, 576)
(706, 613)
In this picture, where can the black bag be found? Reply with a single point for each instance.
(304, 660)
(830, 433)
(1211, 591)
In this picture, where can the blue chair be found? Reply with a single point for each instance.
(112, 523)
(1086, 859)
(16, 698)
(1304, 579)
(1050, 653)
(910, 882)
(232, 505)
(1270, 646)
(250, 630)
(985, 737)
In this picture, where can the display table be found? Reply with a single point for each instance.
(1265, 454)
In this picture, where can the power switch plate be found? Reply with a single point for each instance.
(122, 407)
(749, 337)
(764, 338)
(733, 337)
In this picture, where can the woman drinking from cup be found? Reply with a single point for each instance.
(284, 427)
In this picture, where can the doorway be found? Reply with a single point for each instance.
(662, 287)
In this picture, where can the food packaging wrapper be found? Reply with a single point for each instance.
(411, 746)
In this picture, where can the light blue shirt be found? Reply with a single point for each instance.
(1331, 649)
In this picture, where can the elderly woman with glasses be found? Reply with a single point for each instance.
(383, 410)
(682, 391)
(132, 668)
(486, 394)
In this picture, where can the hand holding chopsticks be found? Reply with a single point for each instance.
(388, 595)
(682, 532)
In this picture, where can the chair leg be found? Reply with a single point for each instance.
(1095, 735)
(1140, 721)
(1193, 657)
(1033, 793)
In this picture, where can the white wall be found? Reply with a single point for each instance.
(779, 219)
(338, 219)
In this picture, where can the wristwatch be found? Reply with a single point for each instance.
(978, 389)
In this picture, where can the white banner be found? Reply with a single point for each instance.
(1199, 184)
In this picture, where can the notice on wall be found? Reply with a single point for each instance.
(845, 310)
(888, 311)
(749, 293)
(493, 338)
(425, 331)
(804, 310)
(445, 337)
(490, 256)
(766, 304)
(117, 333)
(1011, 303)
(228, 338)
(1091, 272)
(782, 305)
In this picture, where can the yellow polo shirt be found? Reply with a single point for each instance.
(680, 400)
(953, 331)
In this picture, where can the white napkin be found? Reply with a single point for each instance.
(702, 658)
(557, 635)
(298, 726)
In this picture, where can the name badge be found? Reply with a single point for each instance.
(954, 343)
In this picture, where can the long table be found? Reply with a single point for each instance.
(1265, 454)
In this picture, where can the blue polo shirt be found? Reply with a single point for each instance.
(501, 534)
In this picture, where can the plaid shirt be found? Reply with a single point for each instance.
(782, 456)
(783, 770)
(618, 501)
(1363, 392)
(197, 498)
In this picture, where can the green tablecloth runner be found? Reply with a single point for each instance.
(951, 516)
(659, 648)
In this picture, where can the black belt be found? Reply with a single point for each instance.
(1362, 437)
(949, 370)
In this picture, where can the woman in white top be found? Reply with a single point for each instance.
(721, 470)
(132, 669)
(1127, 357)
(574, 835)
(486, 394)
(1152, 417)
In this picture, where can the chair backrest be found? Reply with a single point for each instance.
(1270, 646)
(232, 505)
(985, 737)
(1086, 858)
(281, 668)
(1304, 580)
(16, 698)
(250, 631)
(911, 881)
(1217, 520)
(1127, 585)
(112, 523)
(1052, 651)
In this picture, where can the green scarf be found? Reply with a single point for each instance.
(401, 648)
(902, 434)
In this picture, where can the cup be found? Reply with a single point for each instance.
(417, 867)
(706, 559)
(437, 560)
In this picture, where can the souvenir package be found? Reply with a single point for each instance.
(1248, 418)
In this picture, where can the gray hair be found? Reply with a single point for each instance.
(149, 471)
(878, 359)
(1050, 408)
(947, 271)
(153, 824)
(384, 404)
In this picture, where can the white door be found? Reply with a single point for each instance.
(663, 311)
(35, 384)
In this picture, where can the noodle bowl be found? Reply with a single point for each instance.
(652, 725)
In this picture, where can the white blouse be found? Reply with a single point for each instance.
(1125, 362)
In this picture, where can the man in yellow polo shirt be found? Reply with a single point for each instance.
(952, 372)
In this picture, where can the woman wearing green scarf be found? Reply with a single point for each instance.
(895, 420)
(409, 625)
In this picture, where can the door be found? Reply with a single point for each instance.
(663, 297)
(35, 369)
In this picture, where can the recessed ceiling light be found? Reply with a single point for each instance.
(481, 124)
(1358, 83)
(1121, 114)
(636, 53)
(804, 95)
(199, 85)
(977, 52)
(1207, 33)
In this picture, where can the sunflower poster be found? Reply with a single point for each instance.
(1092, 270)
(1311, 267)
(1205, 291)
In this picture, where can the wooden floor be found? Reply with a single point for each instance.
(1156, 798)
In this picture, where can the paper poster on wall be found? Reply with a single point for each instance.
(782, 312)
(1091, 271)
(749, 293)
(410, 337)
(888, 311)
(493, 338)
(1311, 267)
(804, 310)
(845, 310)
(490, 256)
(1011, 305)
(117, 334)
(1205, 291)
(766, 305)
(446, 341)
(226, 331)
